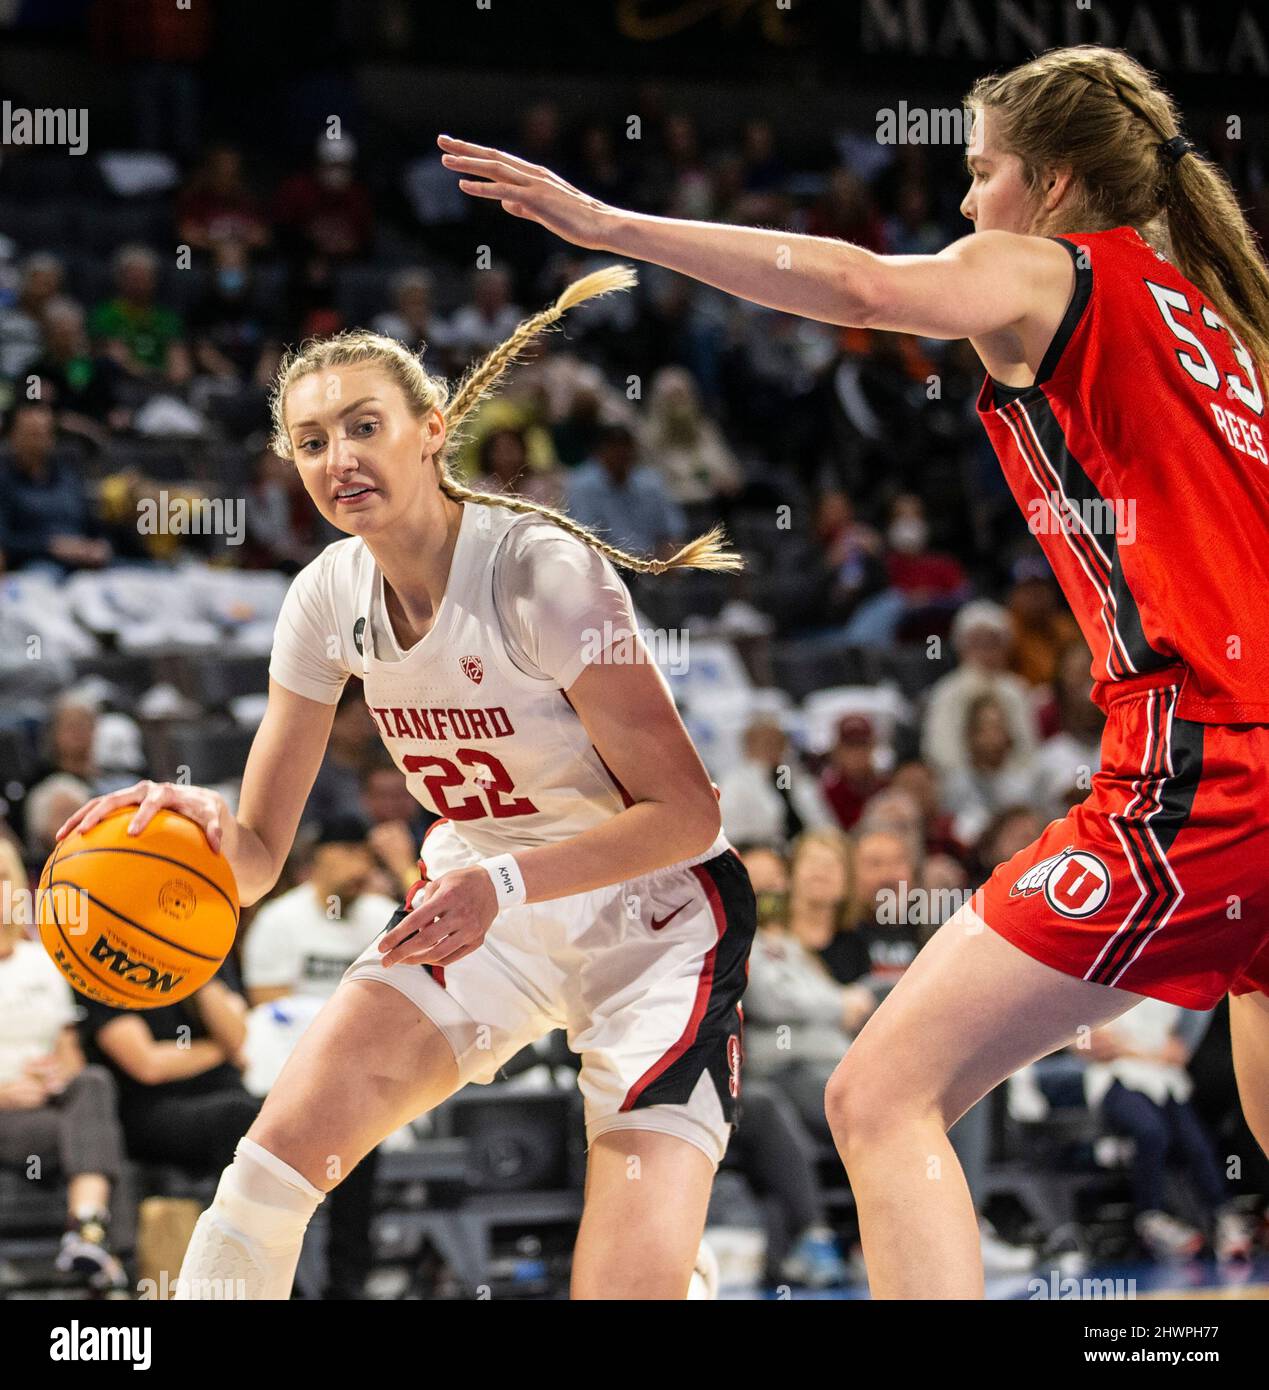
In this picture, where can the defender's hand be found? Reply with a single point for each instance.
(529, 191)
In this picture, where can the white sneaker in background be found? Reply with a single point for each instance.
(1232, 1238)
(1166, 1238)
(999, 1257)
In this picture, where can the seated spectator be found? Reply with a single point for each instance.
(994, 775)
(981, 635)
(353, 746)
(769, 797)
(1066, 762)
(145, 338)
(1011, 830)
(81, 385)
(304, 940)
(918, 578)
(121, 497)
(913, 231)
(311, 299)
(178, 1071)
(231, 329)
(1136, 1076)
(877, 939)
(216, 204)
(851, 775)
(847, 212)
(397, 824)
(47, 805)
(923, 576)
(684, 445)
(936, 829)
(490, 318)
(599, 170)
(898, 812)
(578, 422)
(679, 183)
(763, 170)
(799, 1021)
(819, 905)
(53, 1107)
(118, 752)
(625, 501)
(22, 323)
(67, 744)
(1042, 622)
(412, 319)
(45, 517)
(326, 210)
(504, 468)
(284, 529)
(852, 551)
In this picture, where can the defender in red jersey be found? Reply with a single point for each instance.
(1116, 297)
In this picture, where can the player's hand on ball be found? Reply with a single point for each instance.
(451, 917)
(528, 190)
(206, 808)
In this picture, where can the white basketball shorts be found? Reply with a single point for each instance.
(645, 977)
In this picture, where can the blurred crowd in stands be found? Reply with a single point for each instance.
(893, 698)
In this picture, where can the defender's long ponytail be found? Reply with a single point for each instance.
(1100, 113)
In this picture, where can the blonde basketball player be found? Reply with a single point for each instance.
(1118, 301)
(580, 879)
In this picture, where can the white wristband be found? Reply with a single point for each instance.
(504, 873)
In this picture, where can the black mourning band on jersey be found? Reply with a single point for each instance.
(1175, 149)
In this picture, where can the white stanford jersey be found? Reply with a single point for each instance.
(494, 748)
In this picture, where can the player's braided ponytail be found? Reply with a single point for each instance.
(704, 552)
(1100, 113)
(424, 392)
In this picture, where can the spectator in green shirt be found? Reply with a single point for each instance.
(144, 338)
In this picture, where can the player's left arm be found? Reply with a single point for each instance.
(985, 284)
(628, 712)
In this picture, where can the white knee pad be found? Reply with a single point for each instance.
(247, 1243)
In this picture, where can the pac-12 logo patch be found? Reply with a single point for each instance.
(359, 628)
(1074, 882)
(472, 667)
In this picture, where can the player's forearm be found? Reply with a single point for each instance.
(254, 867)
(814, 277)
(636, 841)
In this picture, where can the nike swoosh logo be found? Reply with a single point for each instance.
(657, 925)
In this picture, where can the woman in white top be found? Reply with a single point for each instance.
(579, 880)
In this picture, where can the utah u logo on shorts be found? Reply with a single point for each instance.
(1074, 882)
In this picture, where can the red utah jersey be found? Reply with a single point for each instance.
(1139, 459)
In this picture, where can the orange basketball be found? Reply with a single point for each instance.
(137, 921)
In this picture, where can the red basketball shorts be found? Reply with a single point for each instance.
(1159, 882)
